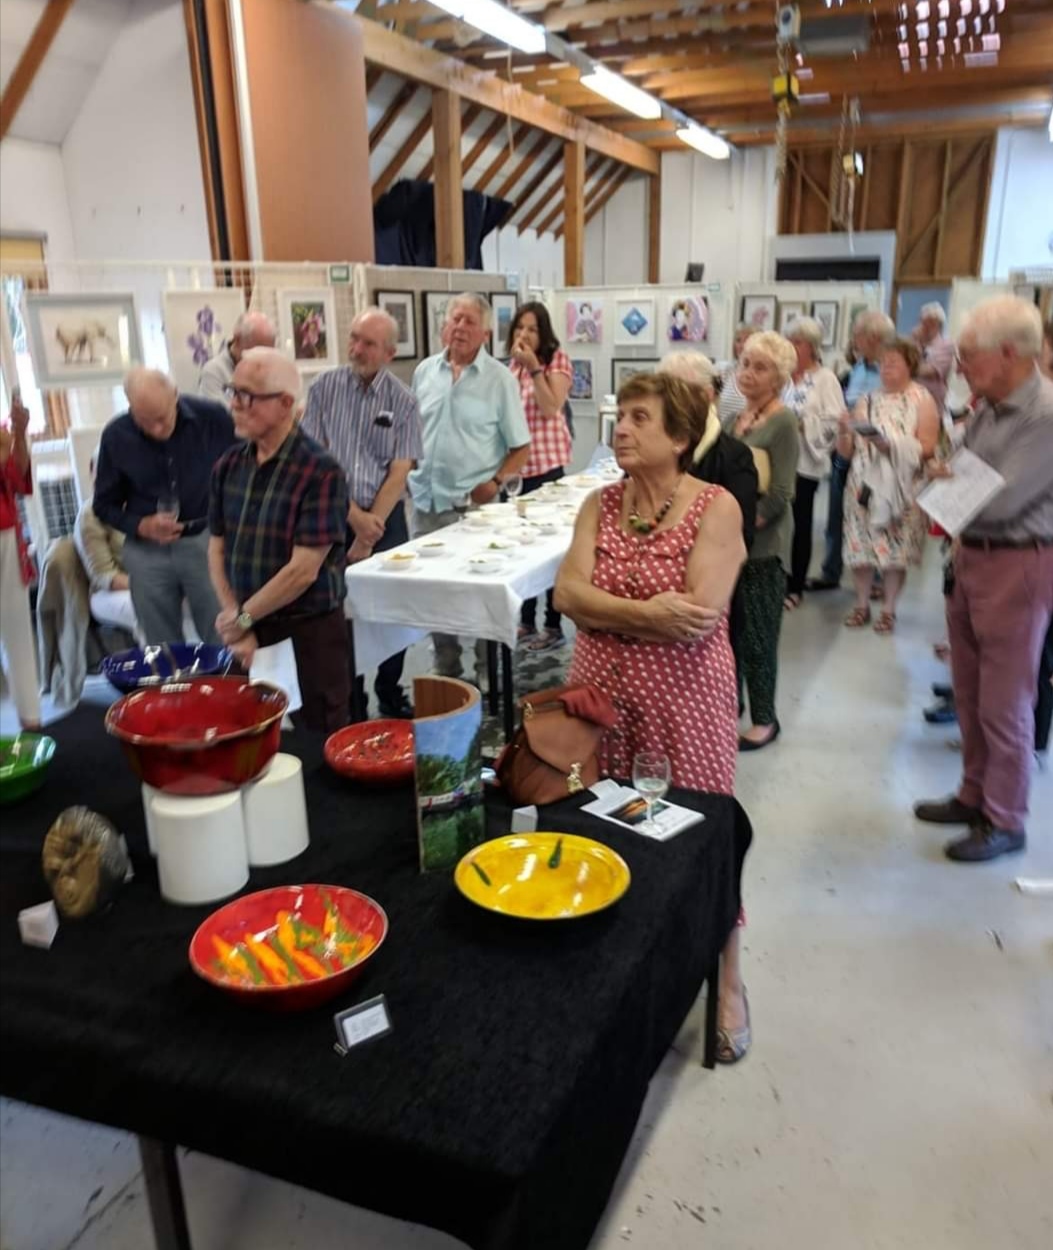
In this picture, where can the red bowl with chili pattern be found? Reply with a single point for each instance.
(291, 947)
(375, 752)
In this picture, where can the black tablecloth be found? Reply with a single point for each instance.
(500, 1107)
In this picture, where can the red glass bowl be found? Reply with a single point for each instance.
(222, 954)
(199, 737)
(376, 752)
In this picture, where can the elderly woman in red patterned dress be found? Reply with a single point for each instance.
(647, 580)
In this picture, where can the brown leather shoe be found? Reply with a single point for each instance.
(984, 842)
(947, 812)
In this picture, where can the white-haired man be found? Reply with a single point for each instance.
(252, 329)
(151, 483)
(1002, 601)
(370, 424)
(475, 433)
(937, 352)
(872, 332)
(278, 519)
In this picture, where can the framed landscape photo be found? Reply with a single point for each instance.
(307, 327)
(789, 312)
(504, 305)
(826, 311)
(198, 326)
(759, 311)
(399, 304)
(622, 370)
(78, 340)
(581, 379)
(634, 323)
(433, 308)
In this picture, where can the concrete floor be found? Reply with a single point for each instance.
(900, 1088)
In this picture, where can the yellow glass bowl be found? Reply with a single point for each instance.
(543, 876)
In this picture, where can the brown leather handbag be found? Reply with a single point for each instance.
(555, 751)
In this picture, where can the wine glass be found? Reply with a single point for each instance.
(651, 776)
(512, 485)
(168, 506)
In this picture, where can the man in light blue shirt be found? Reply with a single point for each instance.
(872, 332)
(475, 434)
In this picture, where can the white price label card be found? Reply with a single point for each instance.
(362, 1023)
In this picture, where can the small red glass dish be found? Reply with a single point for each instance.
(291, 947)
(199, 737)
(376, 752)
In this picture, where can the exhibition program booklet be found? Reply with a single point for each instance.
(952, 502)
(627, 807)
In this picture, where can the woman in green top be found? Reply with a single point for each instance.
(770, 429)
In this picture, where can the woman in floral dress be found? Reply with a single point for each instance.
(884, 528)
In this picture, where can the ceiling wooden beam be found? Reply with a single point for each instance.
(525, 196)
(403, 56)
(467, 117)
(30, 61)
(483, 142)
(543, 200)
(574, 214)
(373, 76)
(547, 222)
(402, 97)
(394, 167)
(501, 159)
(449, 188)
(617, 183)
(529, 154)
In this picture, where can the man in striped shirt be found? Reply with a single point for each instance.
(370, 423)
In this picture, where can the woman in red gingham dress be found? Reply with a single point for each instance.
(543, 372)
(647, 580)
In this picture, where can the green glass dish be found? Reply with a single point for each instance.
(23, 764)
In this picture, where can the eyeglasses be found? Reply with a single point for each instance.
(245, 399)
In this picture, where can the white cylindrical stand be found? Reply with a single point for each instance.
(201, 854)
(276, 813)
(149, 794)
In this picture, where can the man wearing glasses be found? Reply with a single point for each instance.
(152, 485)
(278, 517)
(364, 417)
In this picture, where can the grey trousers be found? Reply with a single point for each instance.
(161, 576)
(448, 650)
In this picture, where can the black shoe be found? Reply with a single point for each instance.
(948, 812)
(747, 744)
(397, 708)
(942, 691)
(822, 583)
(941, 713)
(984, 842)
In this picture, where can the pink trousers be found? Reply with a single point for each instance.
(997, 618)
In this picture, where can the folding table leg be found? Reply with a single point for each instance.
(709, 1054)
(508, 691)
(164, 1192)
(494, 696)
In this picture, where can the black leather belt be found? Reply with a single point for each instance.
(1006, 544)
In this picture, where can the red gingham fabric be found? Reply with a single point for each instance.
(550, 445)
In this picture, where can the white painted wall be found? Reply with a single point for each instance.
(1020, 214)
(616, 238)
(133, 173)
(538, 262)
(718, 212)
(33, 195)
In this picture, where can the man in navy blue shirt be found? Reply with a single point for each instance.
(152, 483)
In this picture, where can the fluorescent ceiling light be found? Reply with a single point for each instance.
(622, 92)
(705, 141)
(498, 22)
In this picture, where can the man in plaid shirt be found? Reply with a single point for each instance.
(278, 517)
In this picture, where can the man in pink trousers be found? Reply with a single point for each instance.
(1000, 609)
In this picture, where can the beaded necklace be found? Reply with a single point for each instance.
(647, 525)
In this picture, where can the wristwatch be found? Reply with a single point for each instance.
(244, 621)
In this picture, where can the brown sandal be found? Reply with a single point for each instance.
(885, 623)
(857, 618)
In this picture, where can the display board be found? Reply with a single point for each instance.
(835, 305)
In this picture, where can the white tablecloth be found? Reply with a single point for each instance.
(393, 609)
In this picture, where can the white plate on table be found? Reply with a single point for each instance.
(432, 549)
(486, 565)
(400, 562)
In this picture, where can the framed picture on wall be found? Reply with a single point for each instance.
(584, 321)
(759, 311)
(581, 379)
(79, 340)
(399, 304)
(634, 323)
(789, 311)
(688, 320)
(198, 326)
(504, 305)
(826, 311)
(622, 370)
(433, 307)
(307, 327)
